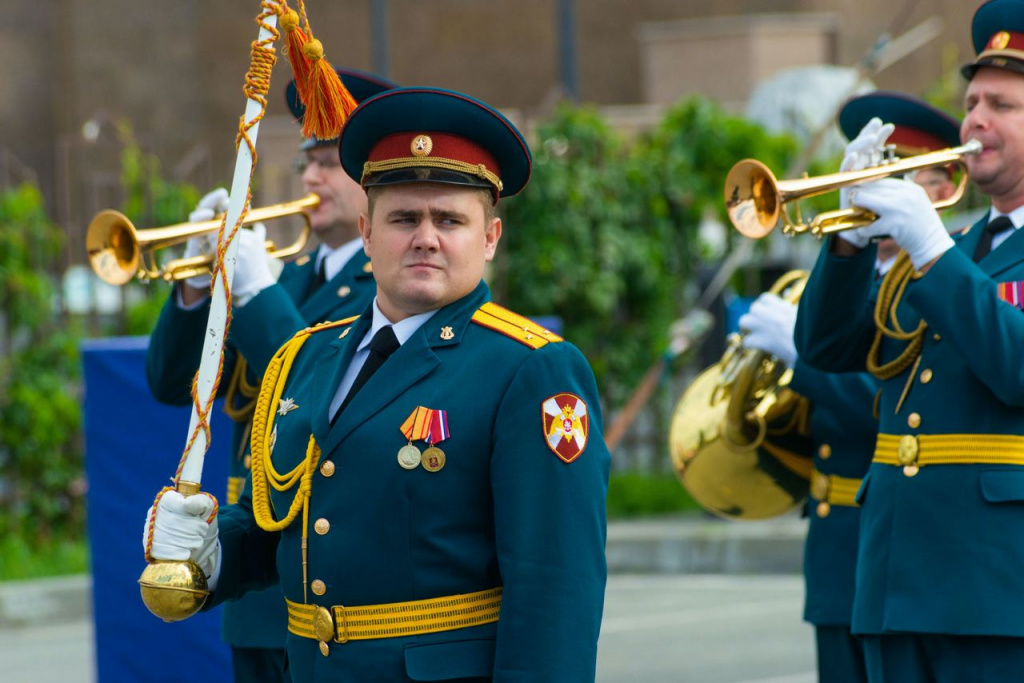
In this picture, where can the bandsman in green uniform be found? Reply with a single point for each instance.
(941, 531)
(332, 283)
(429, 478)
(842, 422)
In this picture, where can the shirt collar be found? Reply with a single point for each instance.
(335, 259)
(1016, 216)
(402, 329)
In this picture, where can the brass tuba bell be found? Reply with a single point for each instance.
(739, 439)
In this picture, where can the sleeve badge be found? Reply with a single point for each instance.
(566, 425)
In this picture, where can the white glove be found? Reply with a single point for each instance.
(906, 214)
(769, 327)
(181, 532)
(252, 267)
(212, 203)
(864, 150)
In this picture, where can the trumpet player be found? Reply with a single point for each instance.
(332, 283)
(843, 426)
(937, 589)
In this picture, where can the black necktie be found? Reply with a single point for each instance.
(321, 275)
(383, 344)
(998, 225)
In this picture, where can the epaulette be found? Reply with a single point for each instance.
(523, 330)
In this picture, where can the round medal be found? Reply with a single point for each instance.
(409, 457)
(433, 459)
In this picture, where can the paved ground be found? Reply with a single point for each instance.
(657, 629)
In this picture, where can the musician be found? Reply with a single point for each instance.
(332, 283)
(937, 596)
(842, 422)
(467, 474)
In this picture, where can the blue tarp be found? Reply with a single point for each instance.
(133, 445)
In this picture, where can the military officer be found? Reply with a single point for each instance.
(937, 596)
(842, 423)
(333, 283)
(429, 478)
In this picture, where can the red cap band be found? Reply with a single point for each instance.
(428, 145)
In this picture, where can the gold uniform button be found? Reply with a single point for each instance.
(324, 649)
(322, 526)
(825, 451)
(926, 376)
(247, 462)
(937, 337)
(319, 587)
(344, 291)
(823, 509)
(327, 468)
(914, 420)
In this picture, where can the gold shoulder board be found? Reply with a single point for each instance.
(523, 330)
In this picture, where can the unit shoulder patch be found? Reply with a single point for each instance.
(566, 423)
(504, 321)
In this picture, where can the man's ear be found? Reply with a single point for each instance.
(364, 232)
(492, 234)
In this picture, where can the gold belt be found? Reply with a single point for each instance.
(341, 624)
(235, 486)
(915, 451)
(833, 489)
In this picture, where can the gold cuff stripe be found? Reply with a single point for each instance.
(400, 618)
(955, 449)
(841, 490)
(478, 170)
(510, 324)
(235, 487)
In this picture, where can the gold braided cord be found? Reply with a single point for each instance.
(890, 294)
(478, 170)
(239, 385)
(257, 85)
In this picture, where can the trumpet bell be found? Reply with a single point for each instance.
(113, 247)
(752, 199)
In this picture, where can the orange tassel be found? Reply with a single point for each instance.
(295, 38)
(328, 102)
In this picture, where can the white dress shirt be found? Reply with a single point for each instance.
(402, 329)
(1016, 217)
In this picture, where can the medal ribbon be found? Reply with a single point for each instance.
(417, 427)
(438, 427)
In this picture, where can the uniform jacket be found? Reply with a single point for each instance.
(257, 330)
(940, 552)
(843, 429)
(504, 511)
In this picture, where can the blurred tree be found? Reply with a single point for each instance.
(41, 479)
(605, 234)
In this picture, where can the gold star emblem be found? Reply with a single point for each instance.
(421, 146)
(287, 406)
(447, 333)
(1000, 40)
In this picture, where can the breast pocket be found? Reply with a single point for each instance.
(1003, 486)
(452, 659)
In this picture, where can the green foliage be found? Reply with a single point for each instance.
(642, 495)
(605, 236)
(20, 559)
(41, 484)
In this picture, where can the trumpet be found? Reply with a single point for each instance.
(119, 252)
(755, 200)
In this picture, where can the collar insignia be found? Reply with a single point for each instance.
(287, 406)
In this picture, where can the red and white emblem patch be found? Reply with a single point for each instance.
(566, 424)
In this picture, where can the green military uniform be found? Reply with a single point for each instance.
(258, 622)
(506, 510)
(448, 522)
(258, 329)
(843, 429)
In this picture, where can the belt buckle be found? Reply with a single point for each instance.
(323, 625)
(820, 486)
(907, 454)
(341, 619)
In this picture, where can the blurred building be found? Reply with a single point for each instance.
(74, 69)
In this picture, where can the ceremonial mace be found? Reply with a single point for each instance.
(175, 590)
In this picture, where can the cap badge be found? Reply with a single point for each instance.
(999, 40)
(421, 146)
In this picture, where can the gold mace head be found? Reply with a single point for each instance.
(173, 590)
